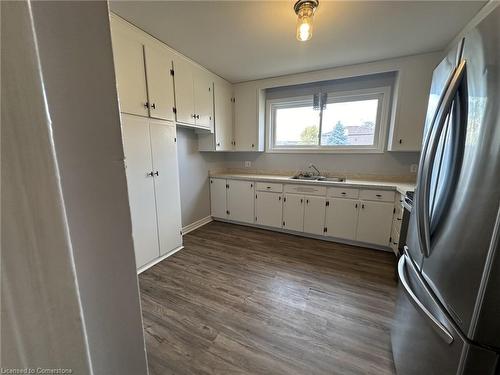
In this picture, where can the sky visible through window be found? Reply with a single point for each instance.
(344, 123)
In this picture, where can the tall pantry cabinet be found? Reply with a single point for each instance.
(146, 95)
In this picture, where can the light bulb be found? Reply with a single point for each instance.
(305, 22)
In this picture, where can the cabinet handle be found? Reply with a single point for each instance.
(153, 106)
(150, 174)
(343, 193)
(251, 185)
(301, 200)
(156, 173)
(362, 206)
(279, 198)
(398, 218)
(218, 144)
(356, 205)
(198, 117)
(400, 141)
(378, 195)
(253, 145)
(307, 201)
(193, 116)
(146, 105)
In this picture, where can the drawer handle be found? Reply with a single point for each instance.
(398, 218)
(268, 187)
(379, 195)
(343, 193)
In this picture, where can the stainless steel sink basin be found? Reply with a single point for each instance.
(319, 178)
(308, 178)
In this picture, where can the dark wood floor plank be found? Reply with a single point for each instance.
(241, 300)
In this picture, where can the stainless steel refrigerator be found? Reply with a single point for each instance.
(447, 318)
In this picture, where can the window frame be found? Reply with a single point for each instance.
(381, 126)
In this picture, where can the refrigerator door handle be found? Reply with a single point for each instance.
(429, 153)
(435, 324)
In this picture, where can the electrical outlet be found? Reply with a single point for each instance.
(413, 168)
(248, 164)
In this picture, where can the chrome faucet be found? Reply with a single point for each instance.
(312, 166)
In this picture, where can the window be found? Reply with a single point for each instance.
(353, 121)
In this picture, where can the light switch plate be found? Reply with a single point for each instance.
(248, 164)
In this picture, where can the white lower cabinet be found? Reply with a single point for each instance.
(375, 222)
(268, 209)
(293, 212)
(218, 189)
(240, 201)
(342, 218)
(350, 214)
(153, 186)
(314, 215)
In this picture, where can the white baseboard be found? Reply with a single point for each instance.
(197, 224)
(158, 260)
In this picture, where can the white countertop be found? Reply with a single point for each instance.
(401, 187)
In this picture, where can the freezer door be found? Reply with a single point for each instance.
(440, 81)
(424, 339)
(463, 241)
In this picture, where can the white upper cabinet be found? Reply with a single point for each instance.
(240, 201)
(293, 212)
(184, 91)
(375, 222)
(193, 94)
(128, 56)
(160, 83)
(413, 85)
(314, 215)
(342, 218)
(142, 65)
(248, 124)
(223, 129)
(203, 98)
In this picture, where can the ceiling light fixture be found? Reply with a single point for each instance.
(305, 12)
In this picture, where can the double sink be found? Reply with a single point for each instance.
(318, 178)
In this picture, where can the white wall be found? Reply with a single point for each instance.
(193, 173)
(77, 64)
(41, 319)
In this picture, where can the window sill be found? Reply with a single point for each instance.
(326, 151)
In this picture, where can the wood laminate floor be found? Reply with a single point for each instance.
(241, 300)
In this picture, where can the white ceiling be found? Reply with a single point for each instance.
(247, 40)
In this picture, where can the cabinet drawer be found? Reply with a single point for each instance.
(305, 189)
(343, 192)
(377, 195)
(266, 186)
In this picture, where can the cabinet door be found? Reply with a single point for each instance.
(245, 118)
(184, 91)
(240, 201)
(314, 215)
(137, 148)
(268, 209)
(166, 181)
(342, 218)
(223, 116)
(218, 198)
(374, 223)
(160, 82)
(293, 212)
(203, 98)
(130, 73)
